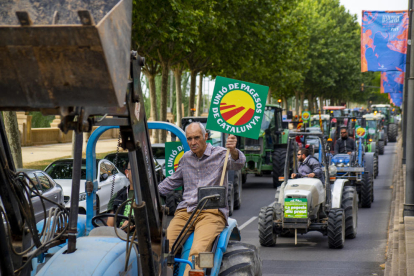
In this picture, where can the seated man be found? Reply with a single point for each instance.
(202, 166)
(344, 144)
(308, 166)
(120, 197)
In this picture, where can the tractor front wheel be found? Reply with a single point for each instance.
(381, 147)
(237, 190)
(336, 228)
(366, 190)
(279, 159)
(392, 132)
(267, 237)
(350, 206)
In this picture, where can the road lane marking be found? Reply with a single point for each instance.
(247, 222)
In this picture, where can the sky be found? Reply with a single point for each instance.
(356, 6)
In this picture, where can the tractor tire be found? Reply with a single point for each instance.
(237, 186)
(241, 259)
(381, 147)
(244, 178)
(375, 166)
(279, 159)
(366, 190)
(392, 132)
(230, 198)
(336, 228)
(350, 206)
(266, 235)
(172, 200)
(385, 138)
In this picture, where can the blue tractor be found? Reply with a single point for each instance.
(84, 70)
(357, 167)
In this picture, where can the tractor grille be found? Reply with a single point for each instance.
(253, 145)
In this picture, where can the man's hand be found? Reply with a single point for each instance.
(349, 152)
(124, 225)
(311, 175)
(231, 145)
(293, 175)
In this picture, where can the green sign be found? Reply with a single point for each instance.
(237, 107)
(306, 115)
(173, 153)
(296, 208)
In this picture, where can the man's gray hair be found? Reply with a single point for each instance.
(203, 129)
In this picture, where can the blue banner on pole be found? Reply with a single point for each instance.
(384, 40)
(396, 98)
(392, 82)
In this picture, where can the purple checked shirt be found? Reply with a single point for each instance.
(194, 172)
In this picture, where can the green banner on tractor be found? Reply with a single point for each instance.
(237, 107)
(296, 208)
(173, 153)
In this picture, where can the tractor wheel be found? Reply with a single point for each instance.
(237, 190)
(350, 206)
(230, 198)
(372, 189)
(170, 203)
(381, 147)
(375, 166)
(385, 138)
(366, 191)
(392, 132)
(266, 235)
(336, 228)
(244, 178)
(279, 158)
(241, 259)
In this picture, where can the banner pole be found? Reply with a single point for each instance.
(405, 91)
(224, 167)
(409, 188)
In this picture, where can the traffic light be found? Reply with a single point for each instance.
(362, 87)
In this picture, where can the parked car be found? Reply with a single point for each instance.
(107, 173)
(49, 189)
(123, 160)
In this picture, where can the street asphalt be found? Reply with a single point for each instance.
(312, 256)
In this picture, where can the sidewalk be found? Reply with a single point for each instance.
(52, 151)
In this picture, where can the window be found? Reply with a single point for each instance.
(44, 182)
(110, 169)
(158, 152)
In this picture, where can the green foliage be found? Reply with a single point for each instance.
(38, 120)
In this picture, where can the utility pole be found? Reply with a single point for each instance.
(409, 134)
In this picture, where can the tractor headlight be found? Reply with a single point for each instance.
(340, 164)
(347, 164)
(332, 170)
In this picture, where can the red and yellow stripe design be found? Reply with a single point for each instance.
(237, 107)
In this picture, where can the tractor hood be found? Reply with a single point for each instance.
(310, 188)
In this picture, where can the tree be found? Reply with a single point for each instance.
(13, 135)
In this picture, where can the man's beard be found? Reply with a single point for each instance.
(344, 138)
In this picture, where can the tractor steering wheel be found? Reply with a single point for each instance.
(101, 217)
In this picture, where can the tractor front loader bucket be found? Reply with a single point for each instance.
(64, 53)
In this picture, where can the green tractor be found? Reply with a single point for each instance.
(326, 123)
(377, 135)
(390, 120)
(268, 153)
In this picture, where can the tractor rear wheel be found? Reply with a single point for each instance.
(230, 198)
(375, 166)
(366, 190)
(237, 189)
(267, 237)
(350, 206)
(279, 159)
(385, 138)
(244, 178)
(336, 228)
(381, 147)
(241, 259)
(392, 132)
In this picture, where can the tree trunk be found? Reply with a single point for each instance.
(321, 104)
(200, 95)
(153, 98)
(192, 92)
(310, 103)
(164, 95)
(297, 97)
(177, 75)
(302, 99)
(285, 106)
(13, 135)
(269, 96)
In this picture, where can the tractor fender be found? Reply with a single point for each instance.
(369, 162)
(337, 189)
(373, 147)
